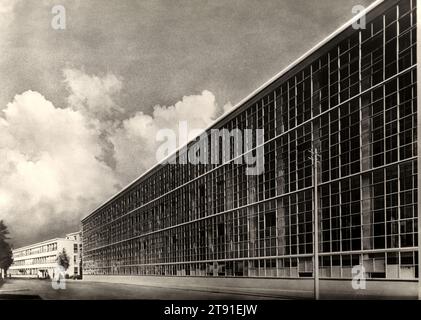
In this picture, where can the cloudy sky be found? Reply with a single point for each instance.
(80, 107)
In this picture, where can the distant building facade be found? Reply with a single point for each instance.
(354, 98)
(39, 260)
(77, 251)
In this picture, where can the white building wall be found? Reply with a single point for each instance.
(28, 264)
(77, 253)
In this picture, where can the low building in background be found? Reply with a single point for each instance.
(39, 260)
(77, 252)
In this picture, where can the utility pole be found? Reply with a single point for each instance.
(419, 146)
(315, 158)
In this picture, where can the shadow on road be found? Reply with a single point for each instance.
(19, 297)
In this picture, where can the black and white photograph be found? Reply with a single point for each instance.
(200, 152)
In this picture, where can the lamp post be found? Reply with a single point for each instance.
(315, 158)
(419, 147)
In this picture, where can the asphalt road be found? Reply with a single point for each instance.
(83, 290)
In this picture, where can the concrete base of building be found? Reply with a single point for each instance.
(300, 288)
(23, 276)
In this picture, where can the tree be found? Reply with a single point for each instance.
(3, 231)
(6, 254)
(63, 259)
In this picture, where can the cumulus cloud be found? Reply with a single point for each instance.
(50, 168)
(58, 163)
(93, 95)
(135, 140)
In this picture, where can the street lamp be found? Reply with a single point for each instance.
(315, 159)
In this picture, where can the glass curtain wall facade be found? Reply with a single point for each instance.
(354, 99)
